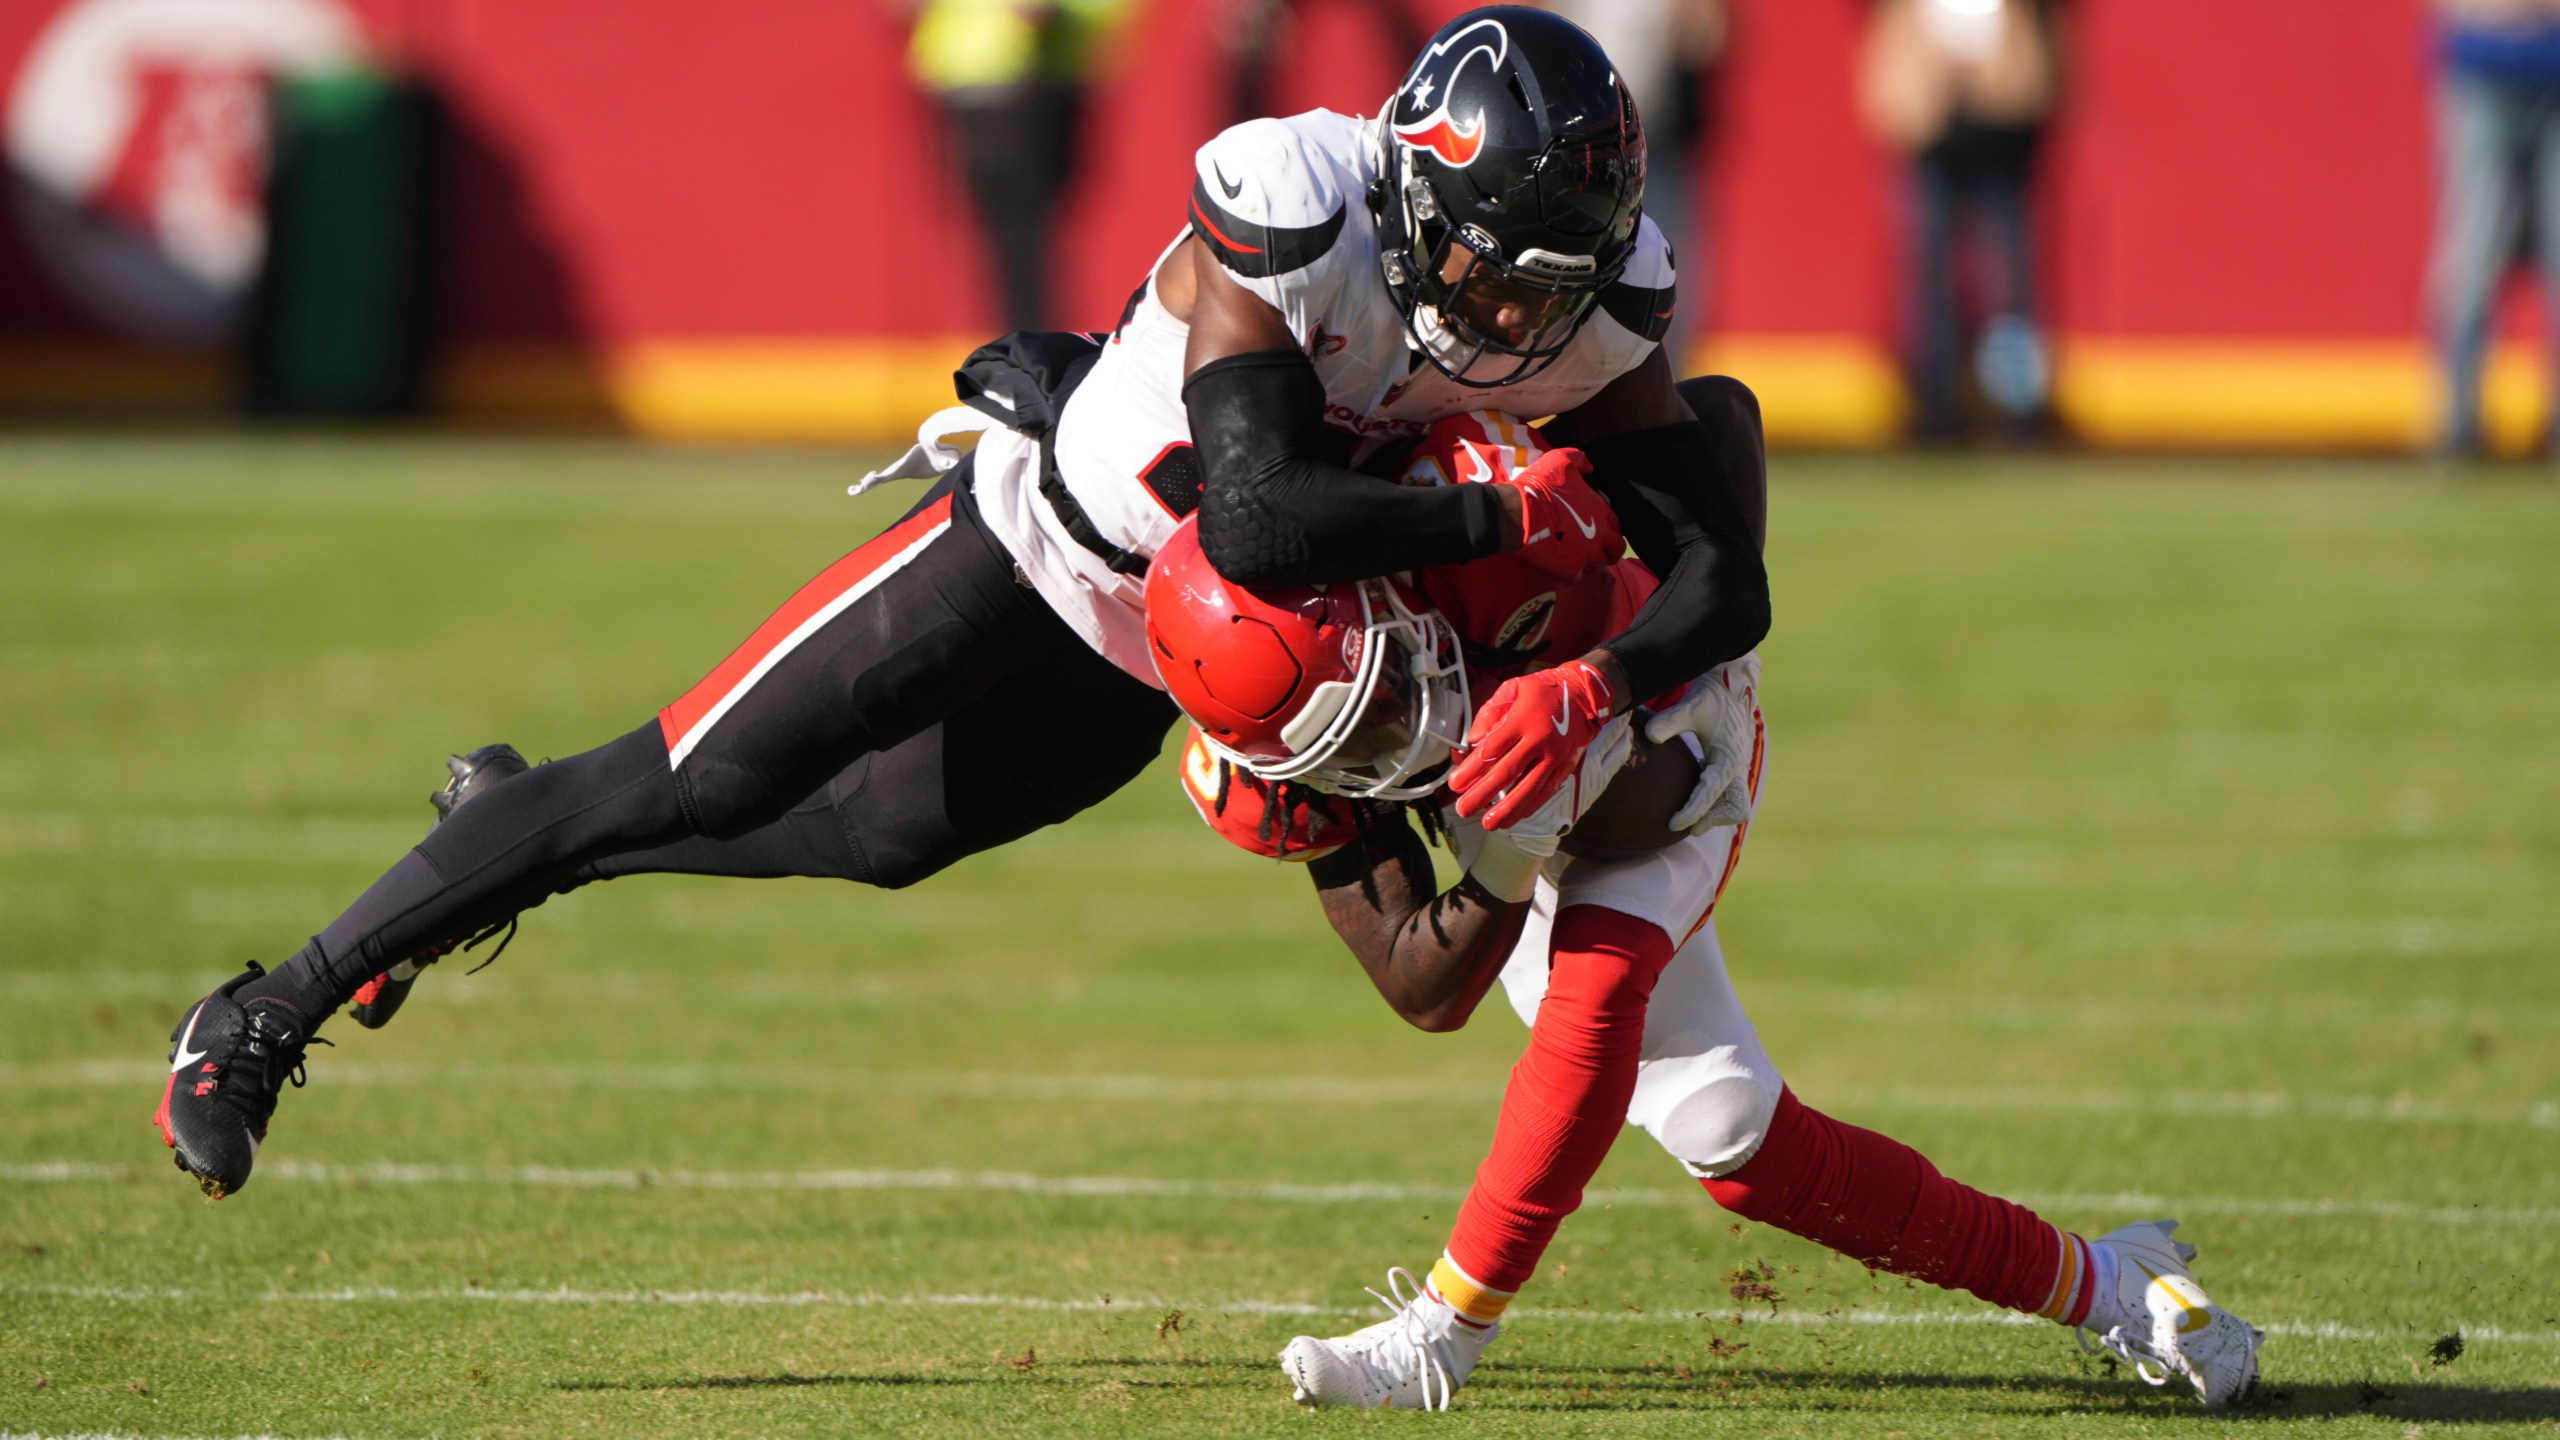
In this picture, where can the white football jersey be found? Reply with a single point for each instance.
(1282, 204)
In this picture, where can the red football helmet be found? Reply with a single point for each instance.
(1345, 688)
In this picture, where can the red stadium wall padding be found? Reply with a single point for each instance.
(668, 205)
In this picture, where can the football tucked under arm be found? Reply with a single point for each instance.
(1634, 815)
(1619, 805)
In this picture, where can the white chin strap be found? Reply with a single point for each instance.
(1444, 344)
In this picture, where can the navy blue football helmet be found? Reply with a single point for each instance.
(1510, 188)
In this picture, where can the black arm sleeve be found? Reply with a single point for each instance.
(1275, 510)
(1677, 508)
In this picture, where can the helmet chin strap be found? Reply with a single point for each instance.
(1434, 337)
(1439, 342)
(1455, 350)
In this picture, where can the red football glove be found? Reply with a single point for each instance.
(1528, 740)
(1565, 527)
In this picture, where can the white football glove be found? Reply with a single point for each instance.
(1507, 861)
(1718, 710)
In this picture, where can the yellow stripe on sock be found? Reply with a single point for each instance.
(1477, 1302)
(2066, 1283)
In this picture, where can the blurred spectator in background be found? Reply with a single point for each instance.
(1963, 89)
(1255, 37)
(1667, 51)
(2498, 151)
(1010, 77)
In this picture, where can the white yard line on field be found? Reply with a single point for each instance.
(816, 1298)
(2022, 1011)
(1154, 1187)
(675, 1077)
(2199, 1104)
(720, 1078)
(1003, 1181)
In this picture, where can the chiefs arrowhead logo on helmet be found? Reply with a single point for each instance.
(1454, 140)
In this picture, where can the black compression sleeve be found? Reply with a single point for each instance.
(1678, 510)
(1274, 510)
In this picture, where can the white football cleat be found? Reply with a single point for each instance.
(2171, 1327)
(1415, 1359)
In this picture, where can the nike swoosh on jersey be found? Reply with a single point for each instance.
(186, 1057)
(1233, 188)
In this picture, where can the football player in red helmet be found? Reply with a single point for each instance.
(1348, 686)
(1314, 706)
(1338, 284)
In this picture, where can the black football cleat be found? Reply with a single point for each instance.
(379, 998)
(475, 773)
(227, 1064)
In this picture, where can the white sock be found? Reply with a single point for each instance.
(2106, 1311)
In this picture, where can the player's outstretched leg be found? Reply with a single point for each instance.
(486, 862)
(1709, 1093)
(1880, 1202)
(910, 627)
(468, 776)
(894, 816)
(883, 700)
(1565, 1104)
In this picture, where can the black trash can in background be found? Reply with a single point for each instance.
(342, 317)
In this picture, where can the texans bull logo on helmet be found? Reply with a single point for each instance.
(1426, 125)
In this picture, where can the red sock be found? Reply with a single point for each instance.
(1568, 1095)
(1878, 1201)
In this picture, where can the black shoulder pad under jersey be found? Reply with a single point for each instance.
(1643, 312)
(1259, 251)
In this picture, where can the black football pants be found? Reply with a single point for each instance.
(914, 704)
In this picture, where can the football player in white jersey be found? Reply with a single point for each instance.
(1320, 716)
(1340, 284)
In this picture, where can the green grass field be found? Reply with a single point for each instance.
(2159, 838)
